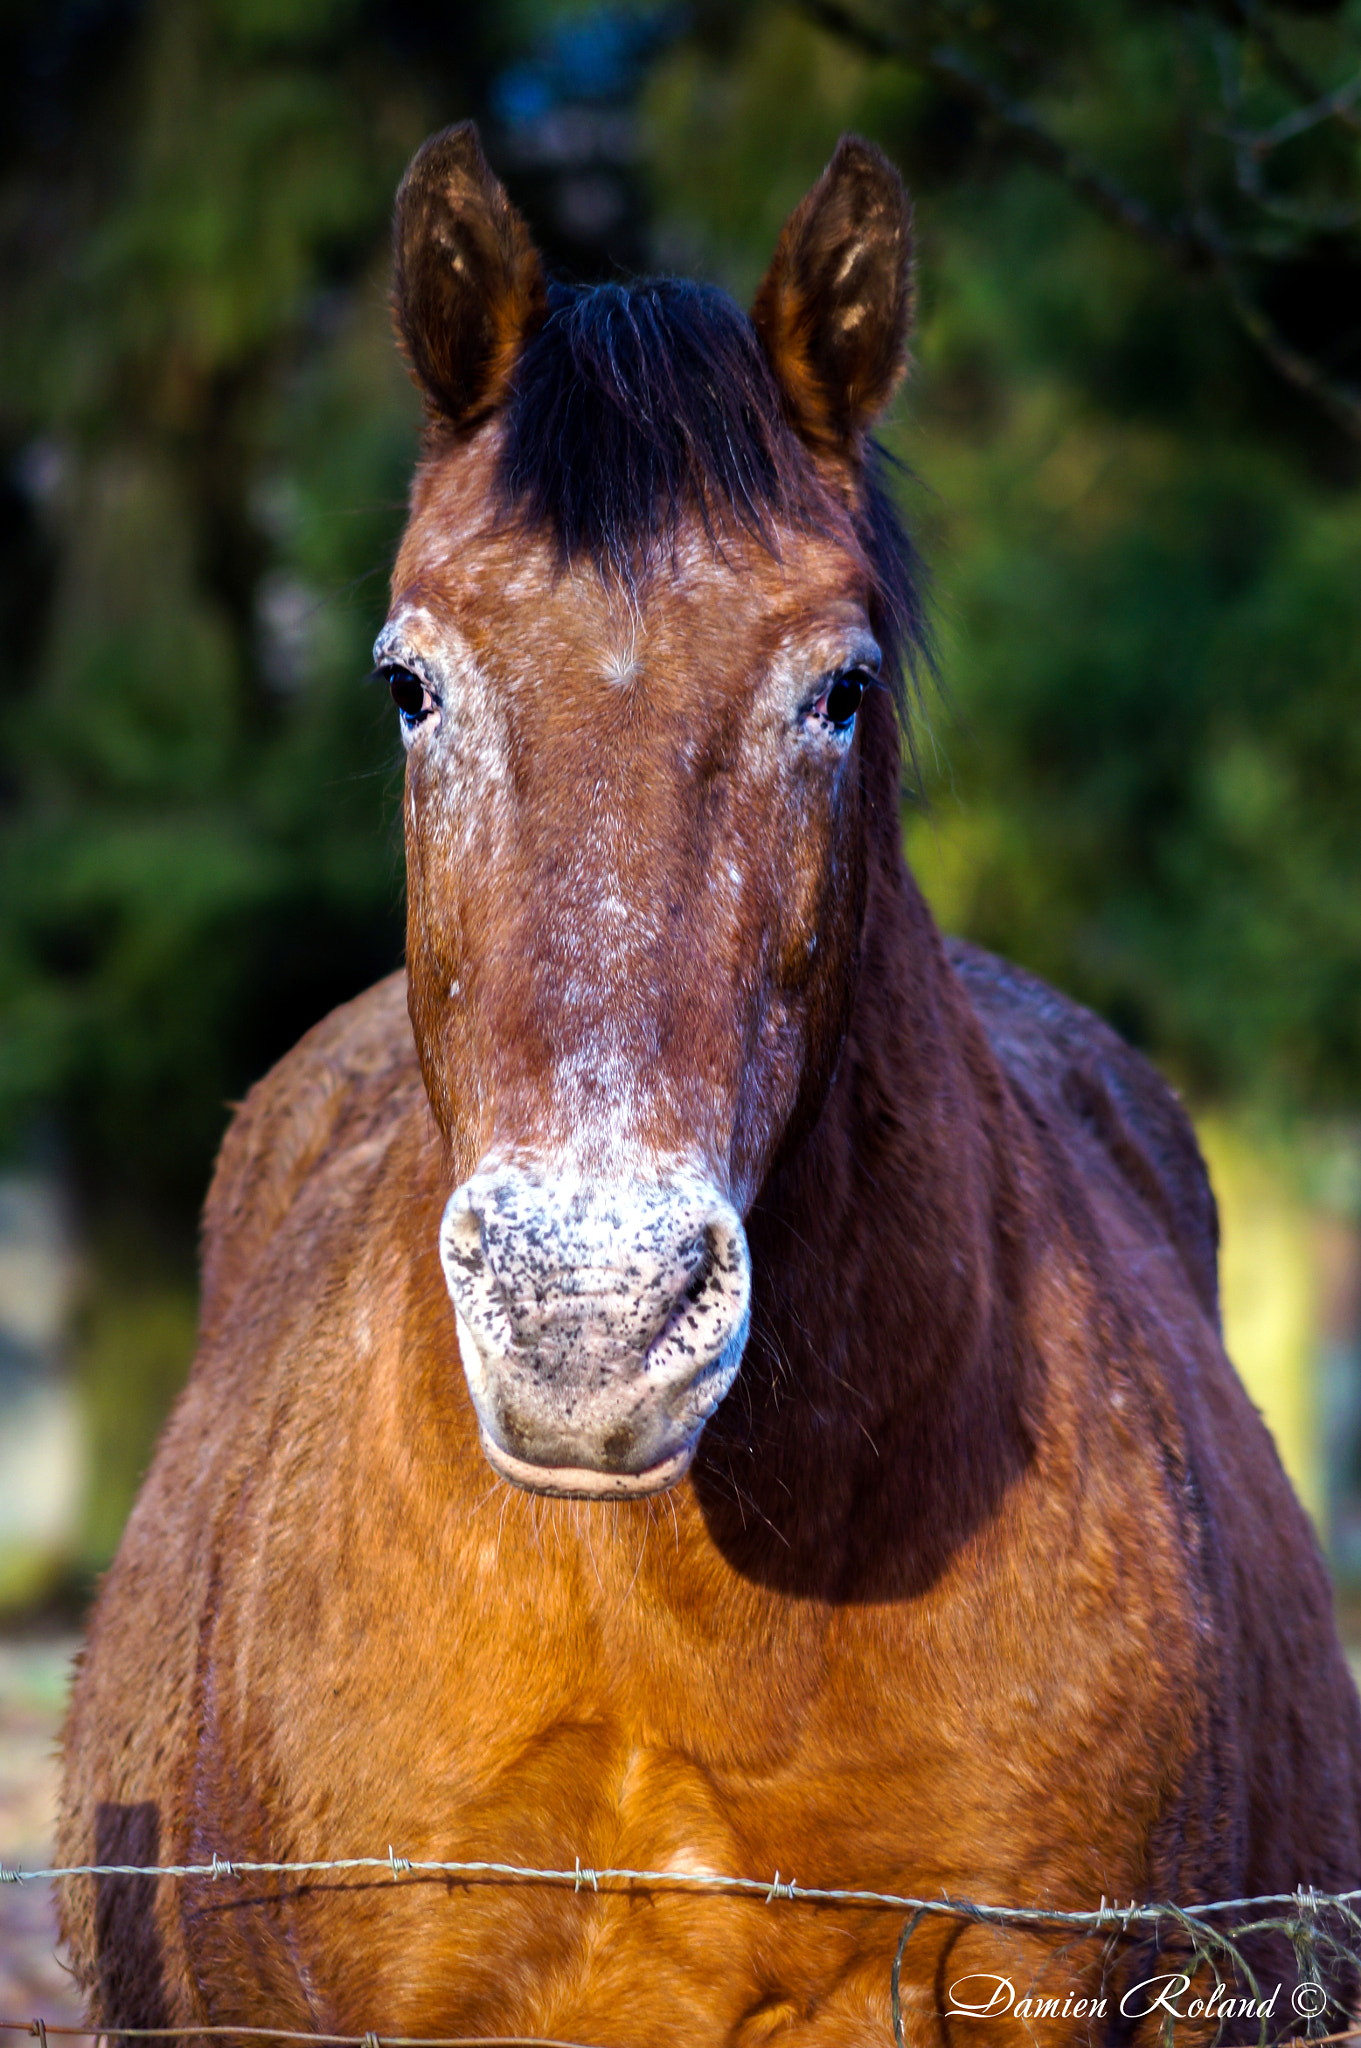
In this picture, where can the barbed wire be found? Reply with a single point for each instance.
(1303, 1924)
(42, 2028)
(1109, 1915)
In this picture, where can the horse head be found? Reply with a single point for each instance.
(647, 621)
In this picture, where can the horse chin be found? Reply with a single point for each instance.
(583, 1482)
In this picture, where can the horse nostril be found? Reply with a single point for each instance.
(704, 1266)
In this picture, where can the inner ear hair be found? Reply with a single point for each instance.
(834, 310)
(468, 284)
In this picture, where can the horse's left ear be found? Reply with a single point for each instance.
(835, 307)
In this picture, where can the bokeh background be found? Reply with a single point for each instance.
(1132, 457)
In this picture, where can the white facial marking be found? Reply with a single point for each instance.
(602, 1297)
(467, 802)
(621, 663)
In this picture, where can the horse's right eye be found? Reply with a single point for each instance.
(413, 698)
(409, 693)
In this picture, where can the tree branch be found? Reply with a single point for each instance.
(1326, 108)
(1343, 401)
(1194, 245)
(1176, 239)
(1247, 14)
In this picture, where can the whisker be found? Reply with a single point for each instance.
(642, 1548)
(589, 1540)
(501, 1520)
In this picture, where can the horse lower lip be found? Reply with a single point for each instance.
(582, 1482)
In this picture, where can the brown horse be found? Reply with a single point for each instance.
(840, 1304)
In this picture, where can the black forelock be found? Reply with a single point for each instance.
(633, 406)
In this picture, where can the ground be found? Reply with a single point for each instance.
(33, 1680)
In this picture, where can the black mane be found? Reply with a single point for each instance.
(633, 405)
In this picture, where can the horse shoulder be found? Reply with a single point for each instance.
(341, 1089)
(1083, 1079)
(1252, 1570)
(309, 1146)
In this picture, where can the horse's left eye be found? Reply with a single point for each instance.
(840, 701)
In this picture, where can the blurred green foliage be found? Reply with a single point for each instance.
(202, 400)
(134, 1339)
(1132, 469)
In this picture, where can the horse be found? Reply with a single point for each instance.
(700, 1375)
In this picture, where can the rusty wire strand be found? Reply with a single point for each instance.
(1108, 1916)
(1302, 1924)
(42, 2028)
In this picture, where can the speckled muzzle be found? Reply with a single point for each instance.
(600, 1323)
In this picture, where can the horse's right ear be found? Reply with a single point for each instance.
(468, 283)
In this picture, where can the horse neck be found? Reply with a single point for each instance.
(879, 1414)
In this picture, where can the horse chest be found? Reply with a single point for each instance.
(512, 1696)
(541, 1700)
(510, 1665)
